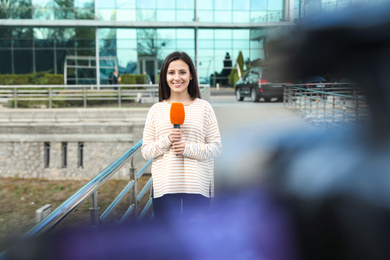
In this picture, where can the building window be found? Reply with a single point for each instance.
(81, 155)
(64, 149)
(47, 154)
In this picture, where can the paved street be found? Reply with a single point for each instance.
(232, 114)
(245, 129)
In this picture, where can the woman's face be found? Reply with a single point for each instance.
(178, 76)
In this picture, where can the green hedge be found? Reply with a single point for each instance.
(134, 79)
(32, 79)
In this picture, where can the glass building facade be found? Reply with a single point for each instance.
(134, 36)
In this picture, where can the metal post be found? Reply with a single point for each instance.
(95, 210)
(50, 105)
(333, 108)
(133, 192)
(119, 97)
(15, 98)
(85, 97)
(344, 108)
(97, 51)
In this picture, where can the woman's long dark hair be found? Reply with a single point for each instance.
(164, 92)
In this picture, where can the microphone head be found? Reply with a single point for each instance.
(177, 114)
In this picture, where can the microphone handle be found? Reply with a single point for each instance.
(176, 126)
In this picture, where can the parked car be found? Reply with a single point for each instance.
(314, 82)
(257, 83)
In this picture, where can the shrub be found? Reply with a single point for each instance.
(134, 79)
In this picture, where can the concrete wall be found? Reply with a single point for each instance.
(105, 135)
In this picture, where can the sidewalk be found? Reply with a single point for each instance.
(222, 91)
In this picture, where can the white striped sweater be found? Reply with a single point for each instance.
(192, 172)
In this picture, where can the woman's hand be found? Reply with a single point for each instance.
(178, 148)
(175, 135)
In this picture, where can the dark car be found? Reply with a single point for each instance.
(257, 83)
(314, 82)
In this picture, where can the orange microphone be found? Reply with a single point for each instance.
(177, 114)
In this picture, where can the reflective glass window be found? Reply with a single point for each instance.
(22, 43)
(185, 44)
(23, 61)
(222, 16)
(43, 14)
(258, 17)
(5, 62)
(166, 43)
(42, 3)
(205, 44)
(43, 43)
(64, 13)
(239, 44)
(106, 33)
(219, 57)
(234, 54)
(146, 4)
(126, 33)
(241, 4)
(166, 33)
(85, 14)
(256, 54)
(84, 3)
(104, 4)
(241, 34)
(223, 4)
(5, 43)
(166, 15)
(85, 33)
(206, 16)
(63, 3)
(166, 4)
(256, 44)
(188, 5)
(258, 5)
(275, 5)
(223, 34)
(126, 44)
(206, 34)
(18, 3)
(221, 44)
(240, 17)
(185, 34)
(125, 15)
(184, 16)
(5, 12)
(205, 4)
(125, 56)
(106, 15)
(44, 60)
(125, 4)
(22, 13)
(146, 15)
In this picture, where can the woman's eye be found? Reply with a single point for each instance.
(170, 73)
(183, 72)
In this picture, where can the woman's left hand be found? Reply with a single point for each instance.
(178, 147)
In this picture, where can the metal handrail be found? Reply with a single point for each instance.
(85, 93)
(329, 106)
(61, 212)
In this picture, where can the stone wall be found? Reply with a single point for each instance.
(105, 136)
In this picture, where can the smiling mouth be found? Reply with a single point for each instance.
(177, 84)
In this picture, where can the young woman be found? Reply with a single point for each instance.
(183, 164)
